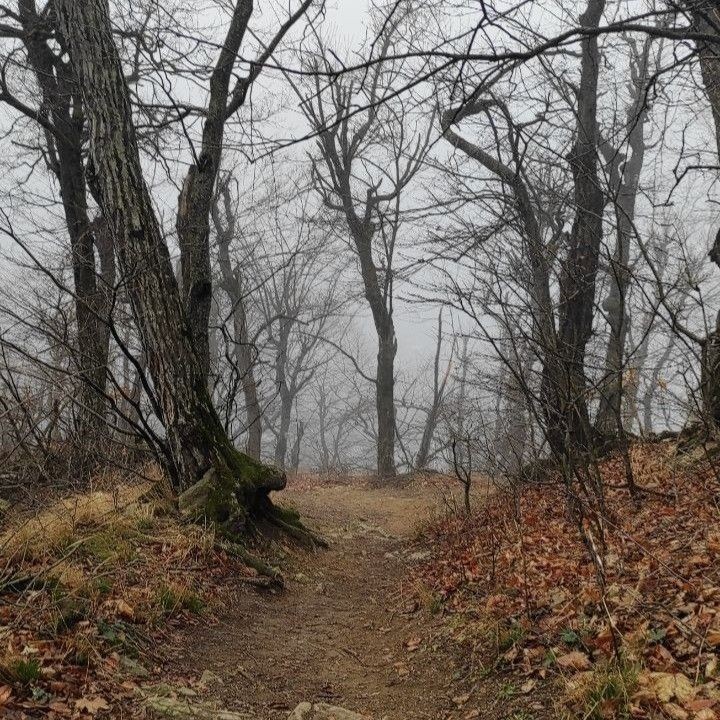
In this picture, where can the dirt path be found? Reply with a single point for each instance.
(346, 630)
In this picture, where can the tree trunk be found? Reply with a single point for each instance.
(705, 16)
(609, 418)
(706, 19)
(297, 444)
(439, 385)
(243, 348)
(380, 302)
(570, 422)
(385, 402)
(322, 413)
(654, 383)
(710, 378)
(198, 191)
(511, 432)
(227, 483)
(64, 108)
(284, 391)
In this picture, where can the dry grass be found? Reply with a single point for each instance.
(87, 584)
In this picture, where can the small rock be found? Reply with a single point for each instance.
(181, 709)
(322, 711)
(210, 678)
(301, 578)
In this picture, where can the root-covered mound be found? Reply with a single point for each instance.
(520, 585)
(91, 584)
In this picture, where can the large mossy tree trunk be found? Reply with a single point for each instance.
(220, 482)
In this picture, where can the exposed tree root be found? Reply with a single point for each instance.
(236, 501)
(297, 530)
(263, 569)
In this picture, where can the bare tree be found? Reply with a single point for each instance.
(61, 118)
(366, 161)
(624, 184)
(235, 285)
(197, 443)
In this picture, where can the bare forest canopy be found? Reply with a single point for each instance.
(417, 234)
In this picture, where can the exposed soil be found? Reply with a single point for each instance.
(346, 630)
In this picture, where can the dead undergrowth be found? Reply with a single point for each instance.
(88, 588)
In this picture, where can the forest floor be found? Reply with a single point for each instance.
(348, 630)
(112, 607)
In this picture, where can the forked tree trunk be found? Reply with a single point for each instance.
(570, 419)
(198, 191)
(226, 483)
(65, 141)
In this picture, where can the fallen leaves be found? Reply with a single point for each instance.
(670, 686)
(73, 640)
(522, 557)
(575, 660)
(413, 644)
(92, 705)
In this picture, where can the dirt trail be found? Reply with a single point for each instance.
(345, 631)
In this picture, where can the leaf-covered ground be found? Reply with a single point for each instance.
(521, 593)
(103, 595)
(89, 587)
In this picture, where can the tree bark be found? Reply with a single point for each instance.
(609, 417)
(385, 403)
(62, 104)
(228, 483)
(570, 422)
(705, 15)
(243, 349)
(286, 395)
(706, 19)
(196, 196)
(379, 299)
